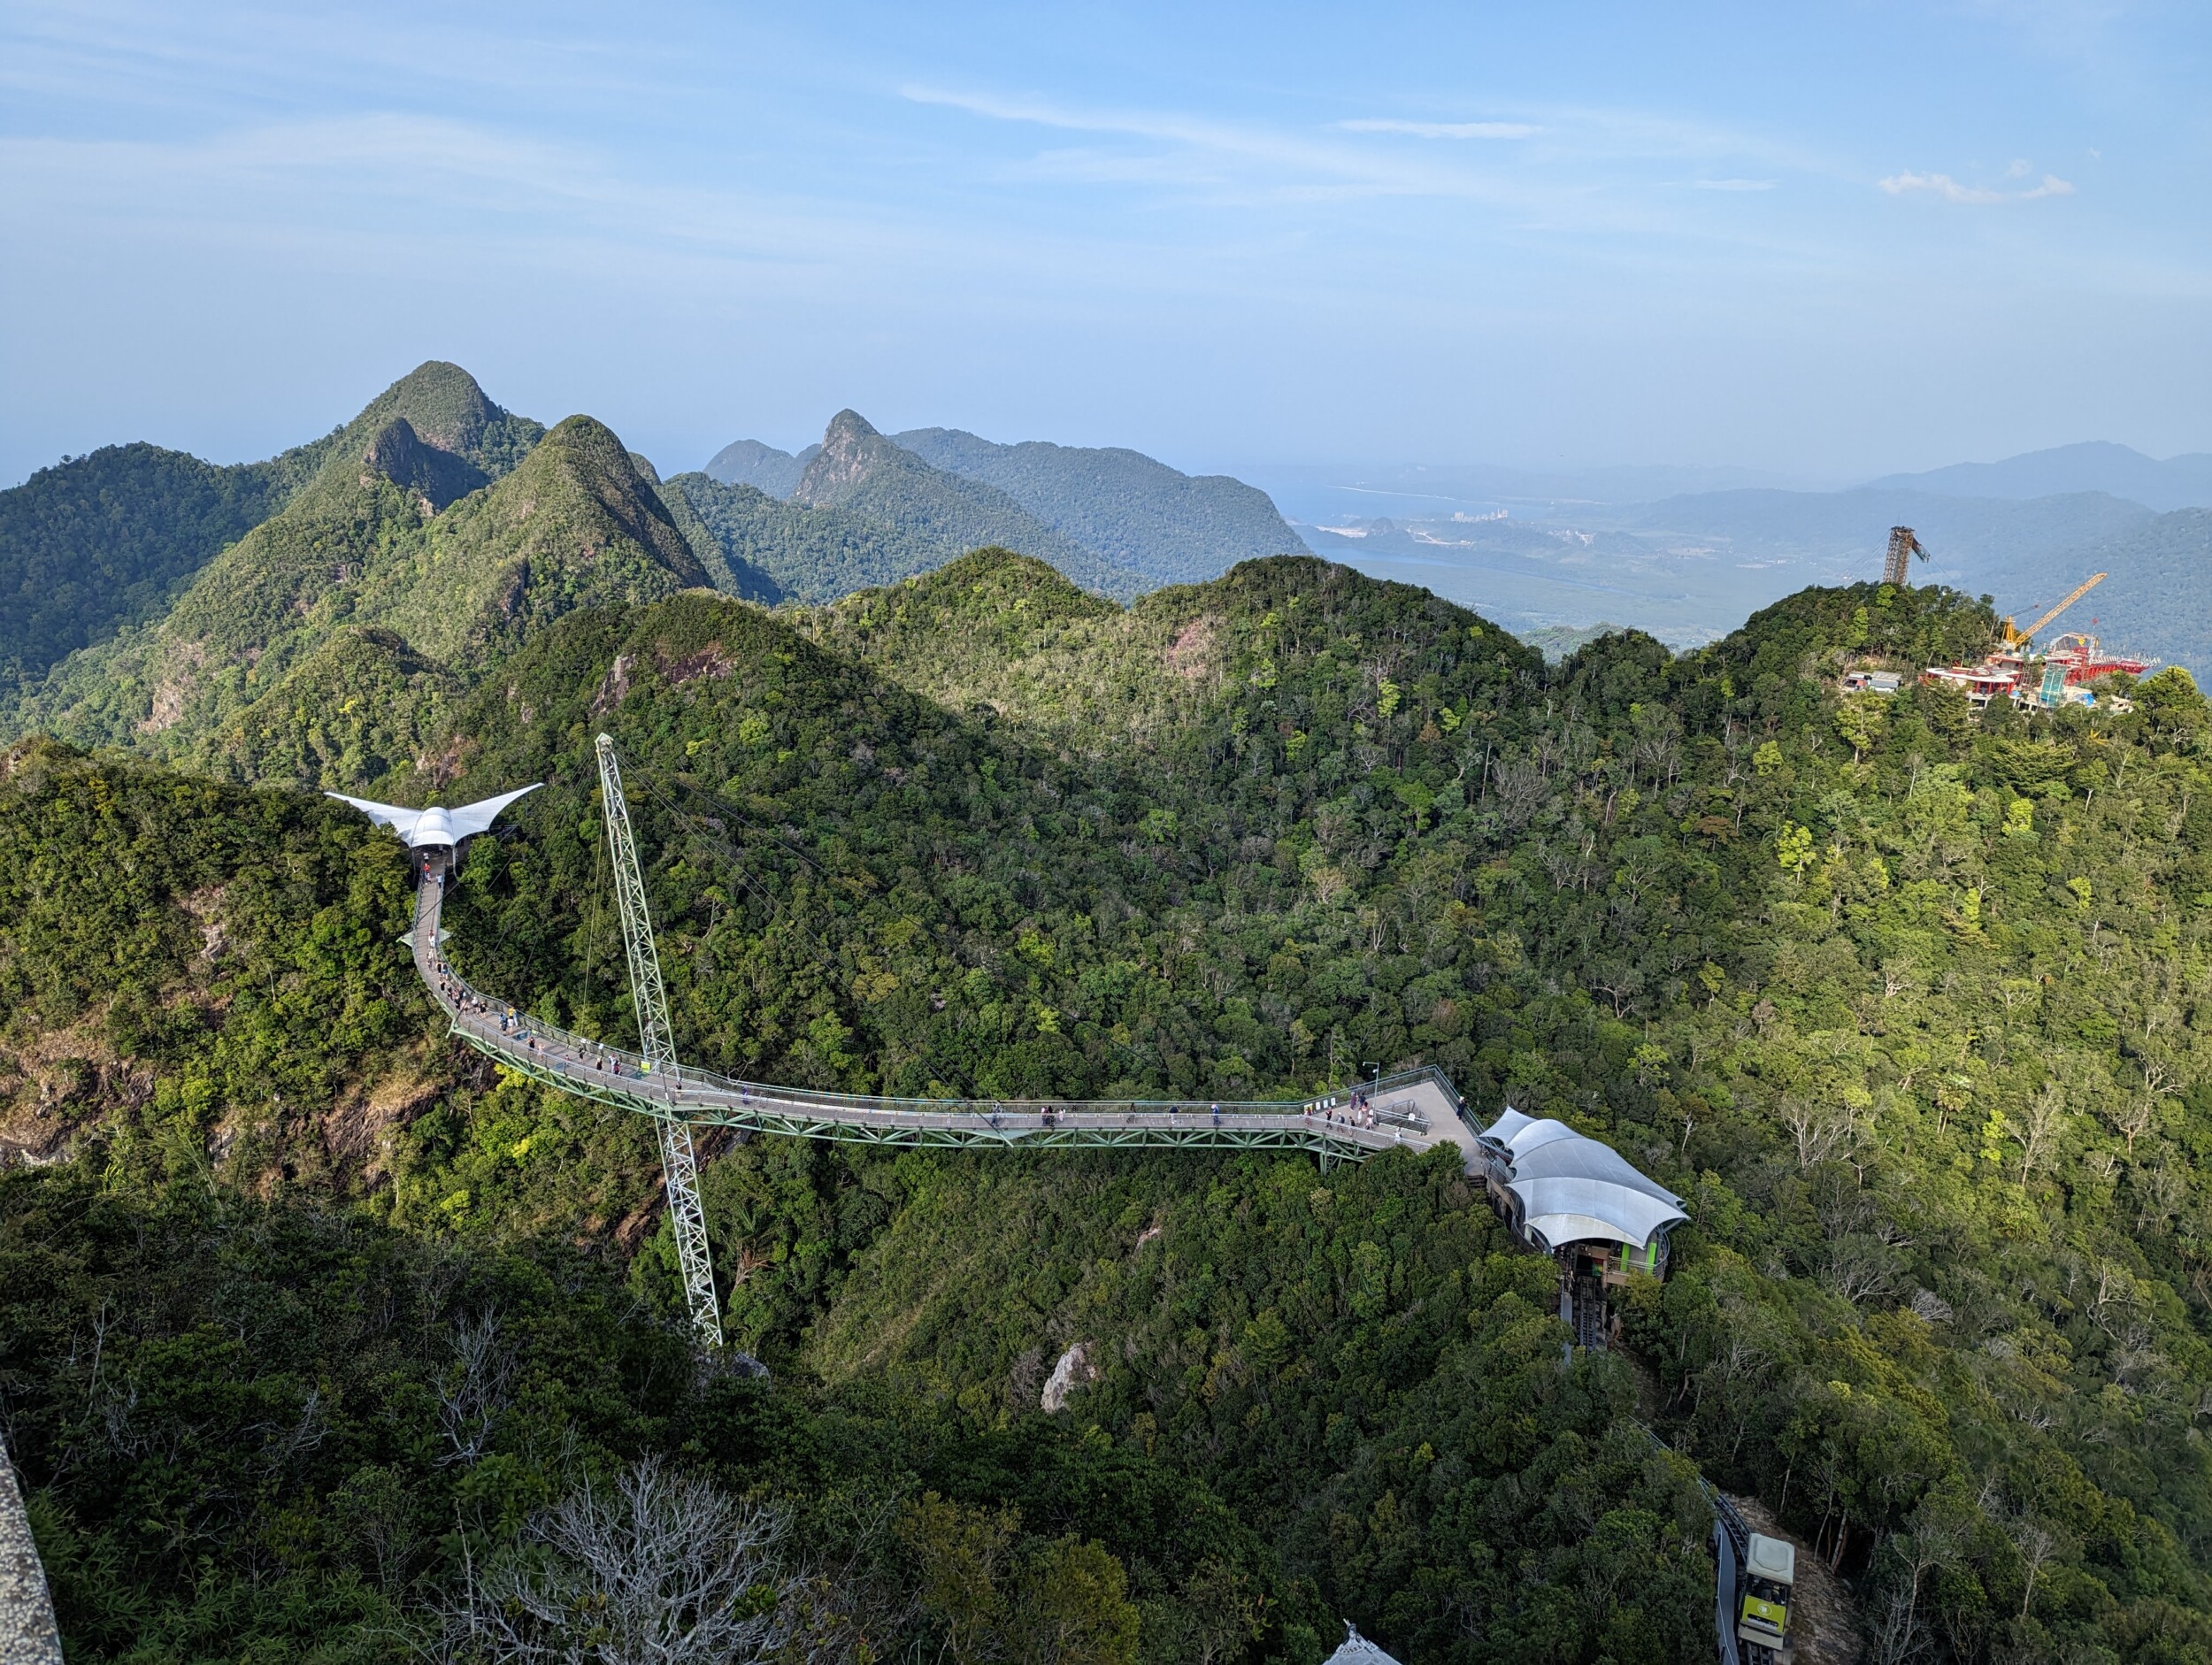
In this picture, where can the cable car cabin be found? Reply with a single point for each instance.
(1575, 1198)
(1763, 1618)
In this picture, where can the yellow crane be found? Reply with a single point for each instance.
(2015, 638)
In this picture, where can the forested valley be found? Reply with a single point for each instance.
(321, 1338)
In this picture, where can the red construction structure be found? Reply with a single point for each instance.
(2084, 662)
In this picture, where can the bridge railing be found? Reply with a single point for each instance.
(507, 1028)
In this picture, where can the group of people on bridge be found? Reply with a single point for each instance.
(465, 1000)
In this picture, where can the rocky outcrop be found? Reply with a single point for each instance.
(426, 472)
(851, 450)
(1074, 1371)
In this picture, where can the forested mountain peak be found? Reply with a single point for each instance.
(894, 516)
(582, 480)
(101, 543)
(999, 632)
(378, 556)
(438, 477)
(750, 463)
(450, 412)
(999, 586)
(1140, 521)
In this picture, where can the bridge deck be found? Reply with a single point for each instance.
(1416, 1111)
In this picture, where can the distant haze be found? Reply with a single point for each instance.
(2178, 482)
(1817, 243)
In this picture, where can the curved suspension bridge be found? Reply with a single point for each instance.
(1417, 1109)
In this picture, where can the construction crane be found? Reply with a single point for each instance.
(1902, 546)
(2016, 638)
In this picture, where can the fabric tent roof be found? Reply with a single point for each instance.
(1357, 1649)
(1574, 1189)
(435, 825)
(1503, 1129)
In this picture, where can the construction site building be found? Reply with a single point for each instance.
(2082, 660)
(1988, 680)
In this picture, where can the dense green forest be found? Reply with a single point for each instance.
(809, 555)
(325, 637)
(1908, 1004)
(104, 543)
(98, 542)
(303, 618)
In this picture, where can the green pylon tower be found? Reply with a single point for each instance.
(656, 1041)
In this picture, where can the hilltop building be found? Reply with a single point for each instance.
(1576, 1199)
(1558, 1189)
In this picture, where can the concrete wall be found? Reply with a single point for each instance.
(26, 1617)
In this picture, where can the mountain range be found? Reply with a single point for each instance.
(1324, 495)
(1687, 567)
(2097, 465)
(304, 618)
(350, 1309)
(309, 1316)
(438, 531)
(108, 543)
(2027, 553)
(1136, 515)
(866, 510)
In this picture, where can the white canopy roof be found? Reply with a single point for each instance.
(419, 828)
(1576, 1190)
(1357, 1649)
(1503, 1129)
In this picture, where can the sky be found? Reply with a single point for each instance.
(1822, 240)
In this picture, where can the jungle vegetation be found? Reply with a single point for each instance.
(1909, 1004)
(101, 542)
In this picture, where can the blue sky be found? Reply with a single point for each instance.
(1827, 240)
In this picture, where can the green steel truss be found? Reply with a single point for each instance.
(679, 1164)
(1016, 1129)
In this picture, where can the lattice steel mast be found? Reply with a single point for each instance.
(1897, 563)
(656, 1042)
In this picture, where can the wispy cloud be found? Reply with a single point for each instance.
(1950, 190)
(1443, 129)
(1208, 152)
(1735, 185)
(383, 188)
(1589, 168)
